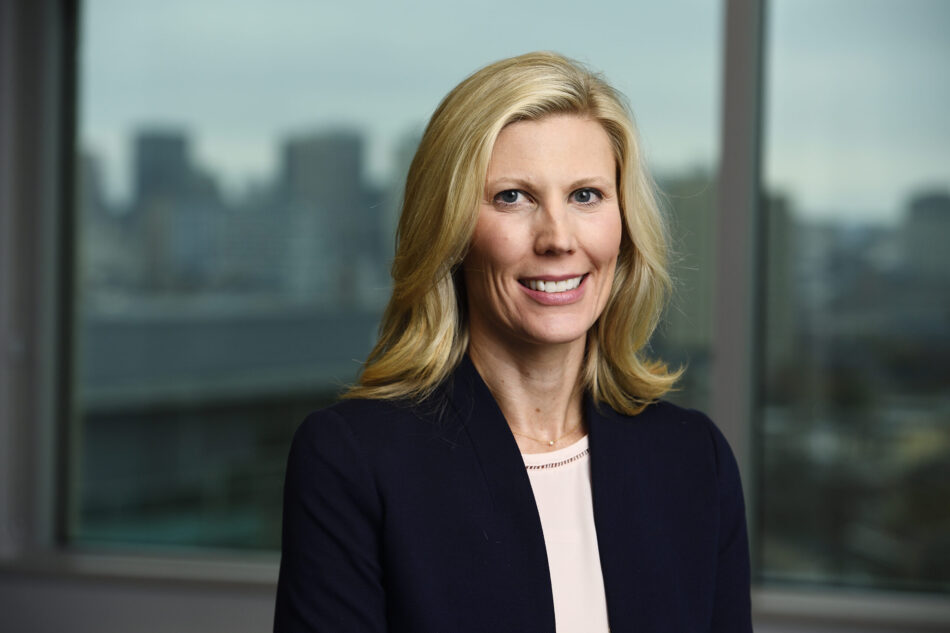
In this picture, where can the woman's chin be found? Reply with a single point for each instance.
(555, 337)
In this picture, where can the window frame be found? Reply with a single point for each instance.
(38, 70)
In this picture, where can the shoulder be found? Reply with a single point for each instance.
(704, 438)
(374, 426)
(336, 444)
(373, 416)
(661, 419)
(688, 421)
(674, 433)
(347, 419)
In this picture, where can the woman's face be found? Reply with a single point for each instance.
(542, 259)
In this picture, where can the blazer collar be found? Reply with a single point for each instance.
(500, 457)
(623, 485)
(610, 454)
(515, 519)
(623, 534)
(494, 443)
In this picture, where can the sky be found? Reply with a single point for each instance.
(856, 104)
(241, 76)
(855, 91)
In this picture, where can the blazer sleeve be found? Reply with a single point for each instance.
(330, 573)
(732, 612)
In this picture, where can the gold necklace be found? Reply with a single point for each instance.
(550, 442)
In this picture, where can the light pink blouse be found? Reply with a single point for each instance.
(561, 484)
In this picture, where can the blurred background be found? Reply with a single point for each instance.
(196, 226)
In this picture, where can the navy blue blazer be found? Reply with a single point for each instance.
(421, 519)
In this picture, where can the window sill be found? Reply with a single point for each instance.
(244, 569)
(924, 612)
(258, 570)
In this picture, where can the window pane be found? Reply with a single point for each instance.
(240, 170)
(855, 435)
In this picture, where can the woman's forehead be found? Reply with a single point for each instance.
(566, 145)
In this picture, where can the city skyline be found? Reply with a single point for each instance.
(398, 163)
(241, 76)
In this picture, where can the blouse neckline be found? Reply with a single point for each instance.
(557, 458)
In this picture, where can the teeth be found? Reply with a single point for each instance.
(554, 286)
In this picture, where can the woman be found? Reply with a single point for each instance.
(505, 463)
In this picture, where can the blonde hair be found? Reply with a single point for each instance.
(424, 331)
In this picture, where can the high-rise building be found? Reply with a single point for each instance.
(106, 254)
(162, 166)
(177, 211)
(325, 167)
(322, 176)
(926, 232)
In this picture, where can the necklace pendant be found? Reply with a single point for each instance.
(551, 443)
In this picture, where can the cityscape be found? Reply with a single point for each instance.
(208, 326)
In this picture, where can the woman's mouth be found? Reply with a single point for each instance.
(551, 287)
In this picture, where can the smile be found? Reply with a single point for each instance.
(552, 286)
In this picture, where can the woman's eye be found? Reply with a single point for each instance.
(587, 196)
(510, 196)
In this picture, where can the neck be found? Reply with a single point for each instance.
(538, 390)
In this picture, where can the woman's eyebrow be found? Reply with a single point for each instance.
(510, 181)
(527, 183)
(600, 181)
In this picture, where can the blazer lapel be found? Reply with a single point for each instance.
(516, 523)
(627, 534)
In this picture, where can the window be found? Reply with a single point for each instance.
(855, 414)
(834, 392)
(240, 167)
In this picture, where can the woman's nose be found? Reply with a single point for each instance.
(553, 232)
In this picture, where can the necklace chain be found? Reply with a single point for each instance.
(549, 442)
